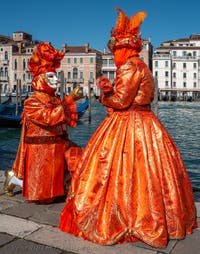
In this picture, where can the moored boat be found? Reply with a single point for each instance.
(10, 116)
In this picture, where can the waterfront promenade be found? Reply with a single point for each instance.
(32, 229)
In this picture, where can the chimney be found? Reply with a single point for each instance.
(86, 47)
(19, 47)
(64, 47)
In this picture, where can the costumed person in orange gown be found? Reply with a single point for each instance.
(130, 183)
(40, 165)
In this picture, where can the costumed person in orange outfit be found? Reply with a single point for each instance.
(130, 183)
(40, 165)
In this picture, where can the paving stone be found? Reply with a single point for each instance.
(25, 210)
(5, 239)
(57, 207)
(6, 203)
(45, 217)
(17, 226)
(197, 205)
(166, 250)
(189, 245)
(21, 246)
(54, 237)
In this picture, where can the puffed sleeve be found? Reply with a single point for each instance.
(70, 110)
(127, 82)
(43, 111)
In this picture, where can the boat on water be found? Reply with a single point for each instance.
(10, 115)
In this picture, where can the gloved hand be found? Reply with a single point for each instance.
(76, 93)
(104, 85)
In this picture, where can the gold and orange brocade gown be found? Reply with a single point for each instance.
(40, 160)
(130, 183)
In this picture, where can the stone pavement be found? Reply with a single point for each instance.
(27, 228)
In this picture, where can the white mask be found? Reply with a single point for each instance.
(52, 79)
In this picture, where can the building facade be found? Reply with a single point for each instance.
(176, 67)
(108, 66)
(15, 53)
(80, 65)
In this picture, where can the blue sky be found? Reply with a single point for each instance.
(80, 21)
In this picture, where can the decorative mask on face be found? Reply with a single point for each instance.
(51, 79)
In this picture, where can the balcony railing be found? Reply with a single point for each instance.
(74, 80)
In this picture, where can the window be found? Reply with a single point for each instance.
(174, 84)
(75, 60)
(15, 64)
(1, 72)
(184, 65)
(68, 60)
(24, 77)
(6, 72)
(156, 63)
(156, 74)
(104, 62)
(174, 74)
(81, 60)
(184, 53)
(184, 75)
(75, 73)
(111, 61)
(195, 84)
(174, 53)
(24, 64)
(166, 74)
(195, 75)
(166, 83)
(91, 60)
(194, 53)
(184, 84)
(81, 74)
(6, 55)
(174, 65)
(91, 75)
(111, 75)
(69, 75)
(194, 65)
(166, 63)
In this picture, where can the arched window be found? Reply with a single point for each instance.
(75, 73)
(6, 72)
(1, 72)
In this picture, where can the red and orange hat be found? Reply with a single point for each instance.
(45, 58)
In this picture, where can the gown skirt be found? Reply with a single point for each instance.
(130, 184)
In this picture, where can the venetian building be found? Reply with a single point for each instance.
(108, 65)
(15, 53)
(81, 65)
(176, 68)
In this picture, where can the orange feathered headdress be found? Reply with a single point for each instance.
(45, 58)
(127, 31)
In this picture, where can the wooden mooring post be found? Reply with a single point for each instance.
(156, 96)
(89, 107)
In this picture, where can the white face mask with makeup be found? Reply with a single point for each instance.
(52, 79)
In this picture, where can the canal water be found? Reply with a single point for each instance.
(181, 119)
